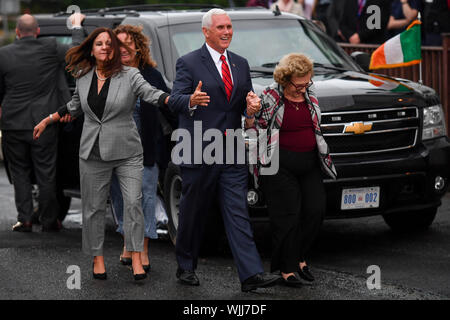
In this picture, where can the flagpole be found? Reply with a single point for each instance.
(420, 64)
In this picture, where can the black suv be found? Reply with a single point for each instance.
(387, 136)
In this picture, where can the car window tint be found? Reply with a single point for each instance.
(264, 42)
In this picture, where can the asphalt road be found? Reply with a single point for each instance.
(414, 266)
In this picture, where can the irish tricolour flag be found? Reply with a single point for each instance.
(399, 51)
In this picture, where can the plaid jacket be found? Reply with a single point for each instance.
(270, 118)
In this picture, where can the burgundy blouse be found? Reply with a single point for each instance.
(297, 131)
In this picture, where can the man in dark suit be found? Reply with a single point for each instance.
(354, 27)
(30, 89)
(213, 90)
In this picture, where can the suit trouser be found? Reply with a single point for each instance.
(25, 156)
(199, 187)
(95, 180)
(149, 194)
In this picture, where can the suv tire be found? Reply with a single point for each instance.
(172, 194)
(411, 221)
(64, 205)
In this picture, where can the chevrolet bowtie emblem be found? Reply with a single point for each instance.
(358, 127)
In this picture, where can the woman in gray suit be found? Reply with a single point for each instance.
(106, 92)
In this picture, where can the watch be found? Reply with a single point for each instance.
(247, 116)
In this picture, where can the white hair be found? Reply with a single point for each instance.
(207, 17)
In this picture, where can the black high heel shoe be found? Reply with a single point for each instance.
(305, 274)
(139, 276)
(291, 281)
(125, 261)
(147, 268)
(98, 276)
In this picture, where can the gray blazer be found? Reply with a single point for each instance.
(116, 131)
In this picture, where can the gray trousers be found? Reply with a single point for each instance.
(95, 180)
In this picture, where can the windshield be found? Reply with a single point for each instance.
(265, 42)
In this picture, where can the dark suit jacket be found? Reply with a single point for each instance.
(350, 20)
(30, 80)
(220, 114)
(152, 136)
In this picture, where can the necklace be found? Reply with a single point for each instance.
(98, 77)
(295, 104)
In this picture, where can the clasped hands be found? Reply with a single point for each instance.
(253, 103)
(200, 98)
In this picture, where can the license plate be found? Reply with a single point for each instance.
(360, 198)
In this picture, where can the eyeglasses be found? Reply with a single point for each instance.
(299, 87)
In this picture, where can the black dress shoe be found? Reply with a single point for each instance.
(146, 268)
(291, 281)
(259, 281)
(22, 227)
(305, 274)
(125, 261)
(187, 277)
(98, 276)
(53, 227)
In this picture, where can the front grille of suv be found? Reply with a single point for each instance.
(370, 131)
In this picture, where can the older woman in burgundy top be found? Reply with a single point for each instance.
(295, 194)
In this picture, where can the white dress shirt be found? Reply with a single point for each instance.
(216, 59)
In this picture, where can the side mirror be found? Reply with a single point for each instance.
(362, 59)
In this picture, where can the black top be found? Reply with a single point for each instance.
(97, 101)
(155, 144)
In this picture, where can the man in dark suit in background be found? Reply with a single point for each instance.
(30, 89)
(227, 94)
(354, 27)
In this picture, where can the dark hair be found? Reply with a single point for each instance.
(80, 61)
(141, 41)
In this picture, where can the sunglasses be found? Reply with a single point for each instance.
(299, 87)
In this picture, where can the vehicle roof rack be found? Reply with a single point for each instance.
(134, 9)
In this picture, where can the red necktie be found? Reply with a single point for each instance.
(361, 4)
(226, 77)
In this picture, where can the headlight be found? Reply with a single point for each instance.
(433, 122)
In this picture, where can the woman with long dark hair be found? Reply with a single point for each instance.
(149, 123)
(106, 92)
